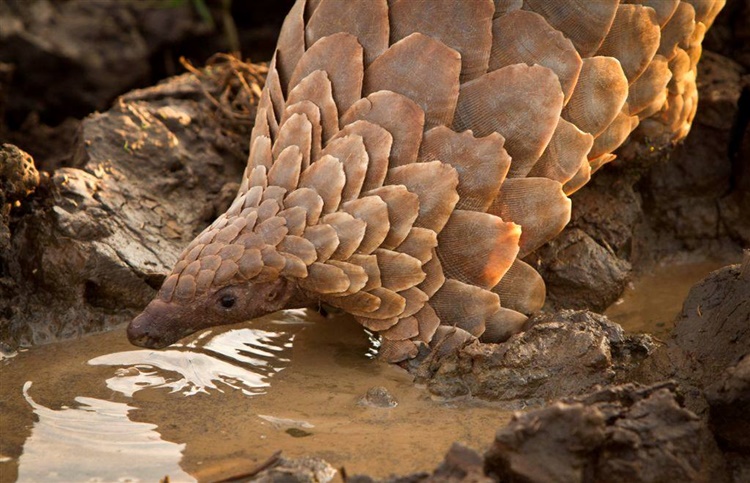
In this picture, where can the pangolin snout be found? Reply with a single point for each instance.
(155, 327)
(140, 335)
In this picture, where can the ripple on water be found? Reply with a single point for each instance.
(239, 359)
(255, 356)
(115, 448)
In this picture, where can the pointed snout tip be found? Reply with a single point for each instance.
(143, 330)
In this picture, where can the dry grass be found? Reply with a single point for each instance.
(233, 86)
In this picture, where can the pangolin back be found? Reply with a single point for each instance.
(407, 154)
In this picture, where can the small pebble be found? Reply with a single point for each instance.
(378, 397)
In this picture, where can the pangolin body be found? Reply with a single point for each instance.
(407, 154)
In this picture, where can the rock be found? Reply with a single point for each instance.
(51, 146)
(626, 433)
(712, 333)
(587, 266)
(93, 51)
(714, 325)
(729, 401)
(91, 253)
(579, 272)
(730, 33)
(608, 209)
(298, 470)
(18, 179)
(378, 397)
(563, 354)
(18, 175)
(461, 464)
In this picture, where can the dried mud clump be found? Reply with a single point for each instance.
(712, 333)
(624, 433)
(557, 355)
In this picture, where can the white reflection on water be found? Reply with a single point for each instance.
(96, 442)
(254, 356)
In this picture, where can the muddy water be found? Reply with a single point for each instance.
(654, 299)
(98, 409)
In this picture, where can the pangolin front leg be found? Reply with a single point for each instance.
(407, 154)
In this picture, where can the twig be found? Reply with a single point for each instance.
(263, 466)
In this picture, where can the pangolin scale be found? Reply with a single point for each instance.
(407, 154)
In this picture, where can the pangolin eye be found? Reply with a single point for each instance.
(228, 301)
(272, 295)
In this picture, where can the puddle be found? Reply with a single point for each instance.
(102, 431)
(654, 299)
(99, 409)
(219, 404)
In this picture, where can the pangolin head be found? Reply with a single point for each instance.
(232, 272)
(165, 322)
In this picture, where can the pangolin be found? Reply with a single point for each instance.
(408, 154)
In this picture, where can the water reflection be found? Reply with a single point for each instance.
(96, 442)
(242, 359)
